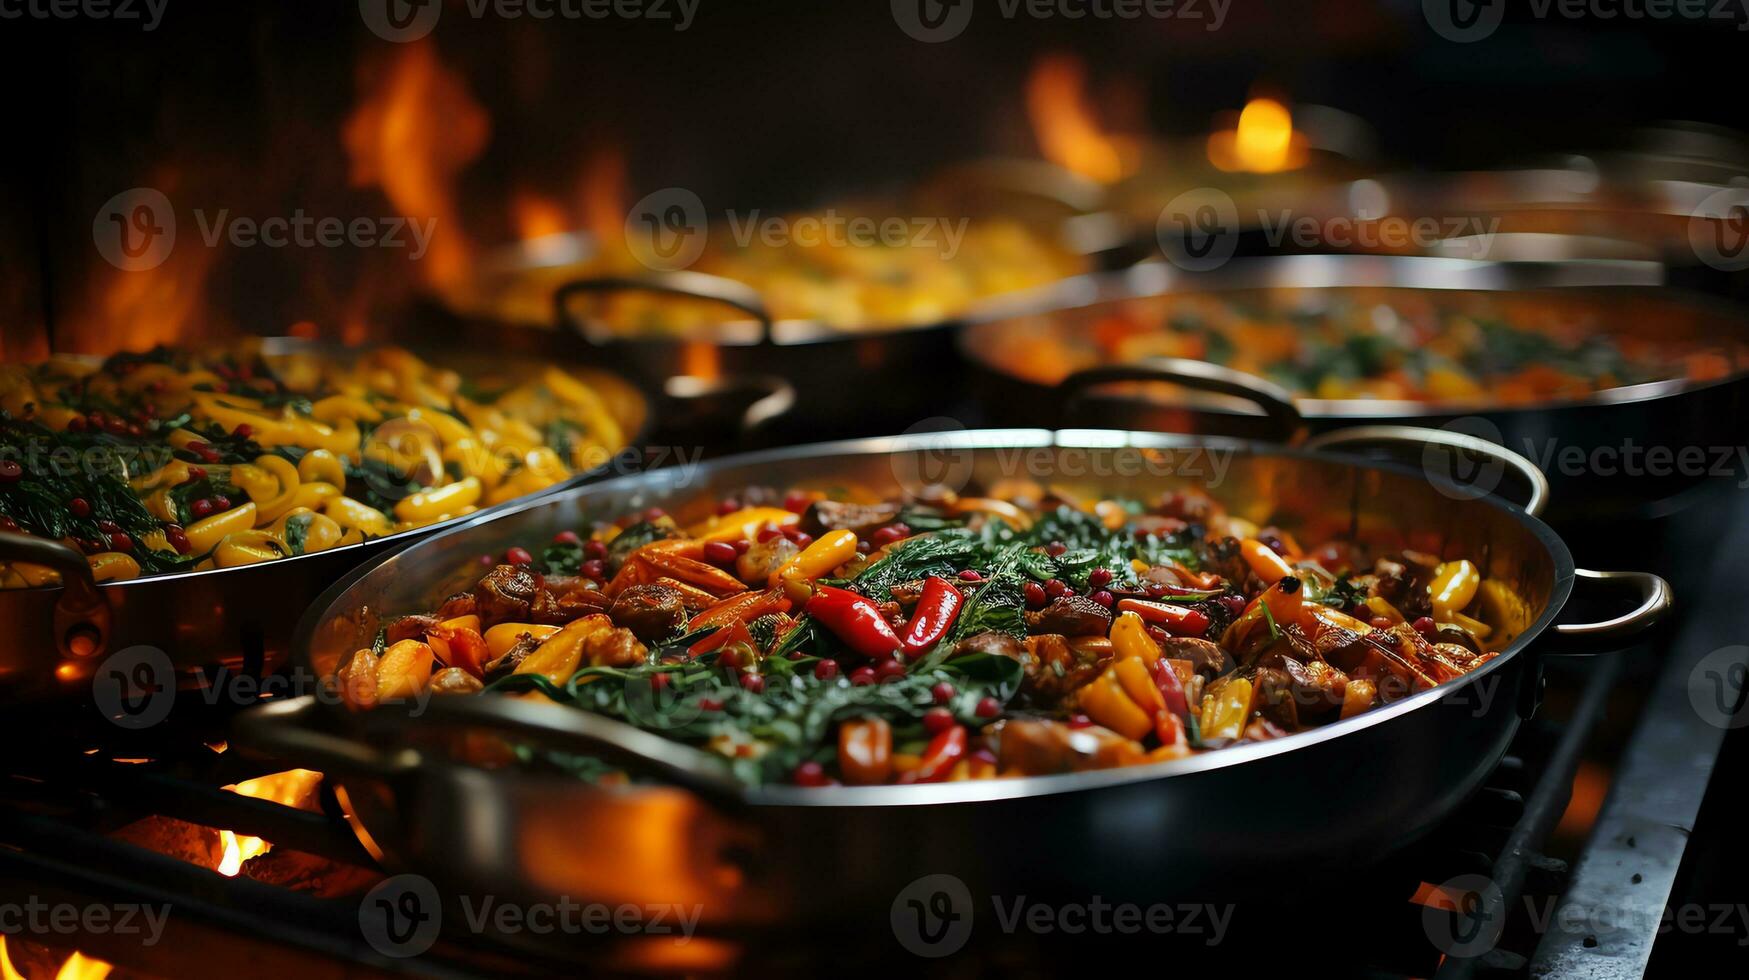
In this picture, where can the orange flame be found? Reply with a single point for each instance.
(294, 788)
(414, 130)
(1262, 141)
(76, 967)
(1068, 133)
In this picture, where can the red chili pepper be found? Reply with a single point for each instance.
(853, 619)
(939, 757)
(937, 608)
(736, 630)
(1177, 619)
(1171, 687)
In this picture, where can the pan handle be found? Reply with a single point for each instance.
(774, 397)
(683, 283)
(288, 730)
(1425, 442)
(1656, 600)
(82, 616)
(1275, 401)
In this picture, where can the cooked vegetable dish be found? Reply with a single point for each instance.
(175, 460)
(1395, 345)
(815, 639)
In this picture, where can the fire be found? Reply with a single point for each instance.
(1262, 141)
(1068, 133)
(412, 133)
(76, 967)
(294, 788)
(538, 217)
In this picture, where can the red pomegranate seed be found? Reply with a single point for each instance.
(1056, 548)
(221, 502)
(743, 546)
(810, 773)
(988, 708)
(795, 501)
(593, 568)
(728, 506)
(767, 532)
(801, 539)
(719, 552)
(1080, 721)
(567, 537)
(109, 527)
(518, 556)
(889, 669)
(595, 550)
(243, 430)
(826, 670)
(1035, 595)
(937, 720)
(943, 692)
(971, 575)
(1235, 605)
(710, 704)
(79, 507)
(76, 424)
(1099, 578)
(863, 676)
(196, 473)
(178, 538)
(121, 542)
(200, 508)
(1425, 625)
(1104, 598)
(1057, 588)
(753, 682)
(116, 427)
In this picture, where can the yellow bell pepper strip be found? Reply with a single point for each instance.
(823, 554)
(1012, 515)
(1226, 712)
(403, 670)
(1129, 638)
(458, 643)
(349, 513)
(939, 757)
(1138, 682)
(855, 620)
(937, 608)
(427, 505)
(743, 523)
(322, 466)
(1357, 696)
(865, 751)
(1175, 619)
(110, 566)
(743, 608)
(559, 655)
(1453, 588)
(204, 535)
(1105, 701)
(248, 548)
(500, 638)
(358, 680)
(1268, 566)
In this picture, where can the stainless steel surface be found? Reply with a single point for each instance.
(1351, 790)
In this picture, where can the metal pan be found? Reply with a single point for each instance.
(1338, 796)
(1576, 440)
(237, 618)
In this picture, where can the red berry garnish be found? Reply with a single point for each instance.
(988, 707)
(753, 682)
(743, 546)
(889, 670)
(1056, 548)
(863, 676)
(567, 537)
(937, 720)
(178, 538)
(943, 692)
(1099, 578)
(1425, 625)
(1080, 721)
(710, 704)
(518, 556)
(243, 430)
(76, 424)
(594, 568)
(200, 508)
(79, 507)
(596, 550)
(796, 501)
(121, 542)
(221, 502)
(971, 575)
(115, 426)
(109, 527)
(1103, 597)
(727, 506)
(767, 532)
(826, 670)
(810, 774)
(1035, 594)
(1057, 588)
(719, 552)
(196, 473)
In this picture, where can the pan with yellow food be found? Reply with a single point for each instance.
(193, 500)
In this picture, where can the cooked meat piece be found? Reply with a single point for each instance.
(864, 519)
(994, 642)
(1206, 655)
(616, 647)
(410, 628)
(562, 598)
(1221, 556)
(763, 558)
(652, 612)
(907, 593)
(1038, 748)
(1163, 575)
(504, 595)
(1070, 615)
(1274, 699)
(460, 604)
(1056, 665)
(512, 657)
(1318, 687)
(454, 680)
(1188, 505)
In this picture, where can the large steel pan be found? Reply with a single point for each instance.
(1331, 798)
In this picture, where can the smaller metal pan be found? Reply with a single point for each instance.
(1575, 440)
